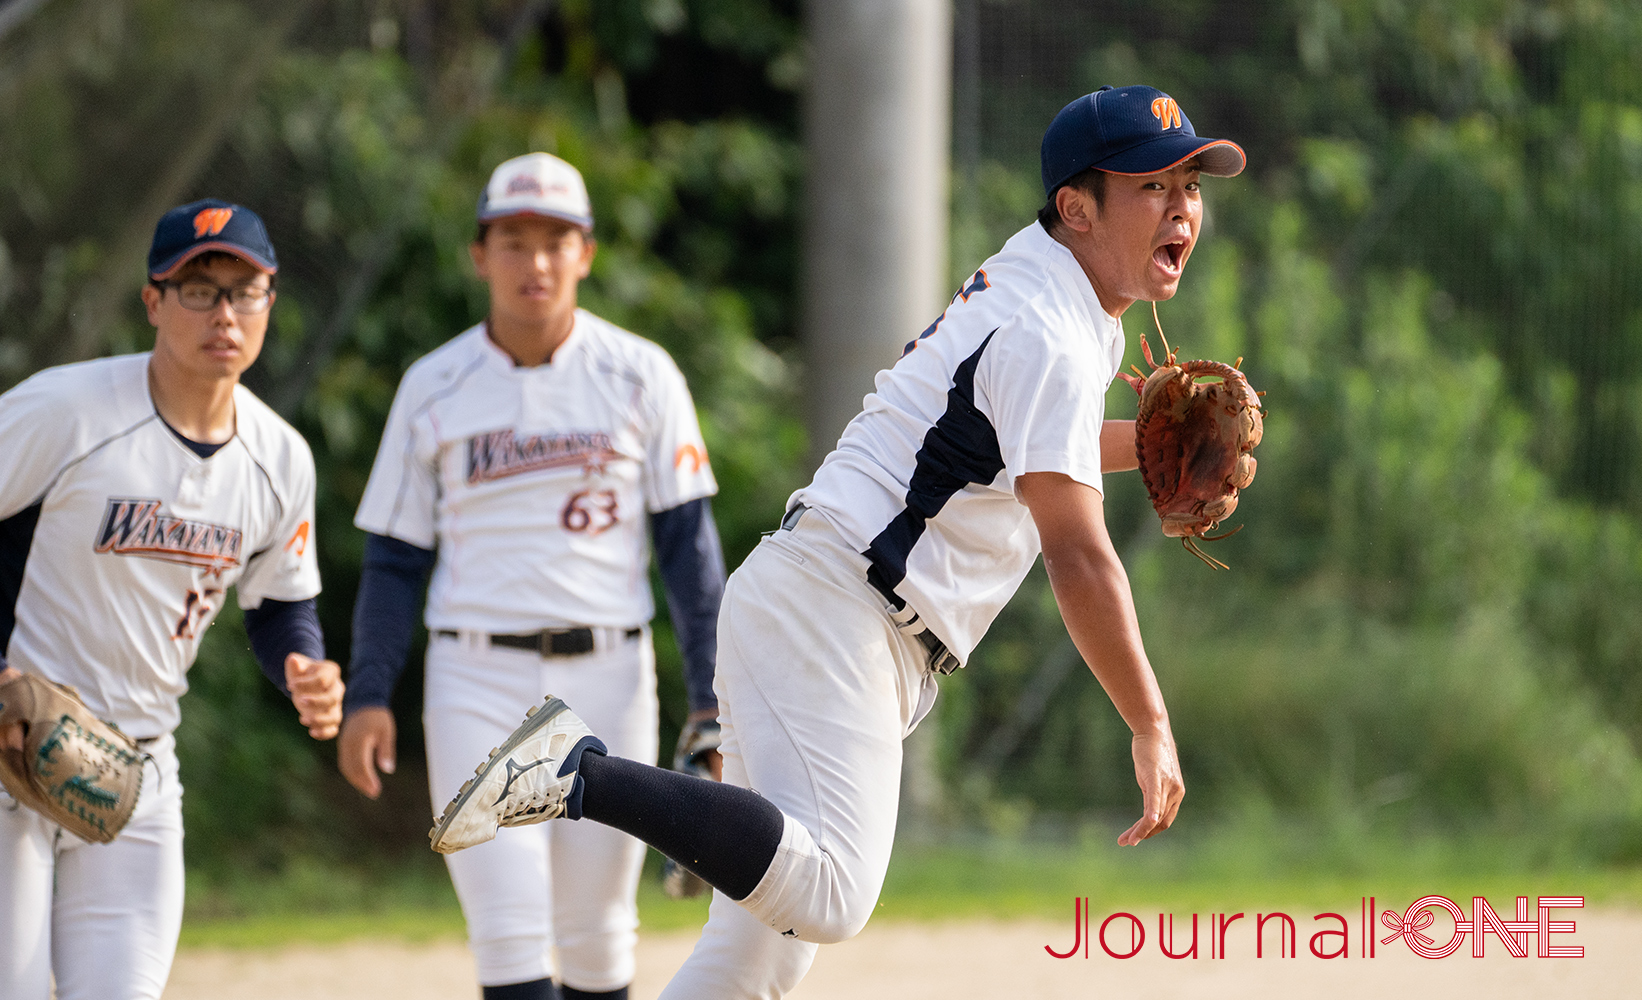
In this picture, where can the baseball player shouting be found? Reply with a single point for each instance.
(525, 461)
(136, 491)
(985, 444)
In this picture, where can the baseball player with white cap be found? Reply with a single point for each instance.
(137, 490)
(530, 463)
(984, 445)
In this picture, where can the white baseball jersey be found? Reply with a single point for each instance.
(534, 483)
(139, 538)
(1011, 379)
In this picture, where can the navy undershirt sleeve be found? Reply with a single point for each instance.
(276, 628)
(384, 618)
(16, 537)
(691, 562)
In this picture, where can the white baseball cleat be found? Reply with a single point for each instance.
(529, 779)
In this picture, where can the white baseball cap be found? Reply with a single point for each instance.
(536, 184)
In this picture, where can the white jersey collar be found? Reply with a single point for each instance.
(1035, 240)
(500, 359)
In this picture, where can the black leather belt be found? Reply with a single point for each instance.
(790, 520)
(548, 642)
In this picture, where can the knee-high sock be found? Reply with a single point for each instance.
(725, 834)
(536, 989)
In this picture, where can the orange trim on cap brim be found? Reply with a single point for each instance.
(1183, 159)
(228, 248)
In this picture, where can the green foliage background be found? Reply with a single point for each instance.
(1431, 624)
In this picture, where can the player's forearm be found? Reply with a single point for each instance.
(1117, 446)
(384, 618)
(276, 628)
(1092, 590)
(691, 561)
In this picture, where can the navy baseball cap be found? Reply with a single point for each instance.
(189, 230)
(1131, 130)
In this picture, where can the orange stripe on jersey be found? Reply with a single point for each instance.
(299, 540)
(689, 453)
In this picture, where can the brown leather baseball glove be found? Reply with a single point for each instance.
(75, 769)
(1194, 440)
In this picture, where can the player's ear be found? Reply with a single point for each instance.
(151, 301)
(476, 251)
(1077, 208)
(590, 246)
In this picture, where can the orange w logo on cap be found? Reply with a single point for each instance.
(1166, 111)
(209, 221)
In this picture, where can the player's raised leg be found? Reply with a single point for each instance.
(818, 735)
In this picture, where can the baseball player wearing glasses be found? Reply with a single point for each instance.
(530, 462)
(136, 491)
(984, 445)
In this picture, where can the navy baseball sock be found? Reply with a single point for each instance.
(571, 993)
(725, 834)
(536, 989)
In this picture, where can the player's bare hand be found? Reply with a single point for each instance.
(366, 746)
(1157, 769)
(316, 691)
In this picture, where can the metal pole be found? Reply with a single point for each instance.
(876, 138)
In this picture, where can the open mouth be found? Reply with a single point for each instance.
(1169, 255)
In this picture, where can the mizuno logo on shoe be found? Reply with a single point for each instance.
(513, 771)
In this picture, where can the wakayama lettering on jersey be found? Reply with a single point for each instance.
(108, 478)
(533, 483)
(1010, 380)
(498, 454)
(137, 528)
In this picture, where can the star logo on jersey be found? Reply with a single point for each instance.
(1167, 112)
(136, 527)
(210, 221)
(499, 454)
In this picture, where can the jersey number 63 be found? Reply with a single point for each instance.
(592, 511)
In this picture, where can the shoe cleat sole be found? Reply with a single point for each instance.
(534, 720)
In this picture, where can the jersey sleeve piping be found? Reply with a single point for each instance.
(410, 445)
(278, 500)
(99, 446)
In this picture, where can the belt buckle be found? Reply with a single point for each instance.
(569, 642)
(941, 660)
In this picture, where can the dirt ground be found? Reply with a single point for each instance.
(904, 961)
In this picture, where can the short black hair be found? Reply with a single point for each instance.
(200, 262)
(1091, 181)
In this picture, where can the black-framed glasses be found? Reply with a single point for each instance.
(202, 296)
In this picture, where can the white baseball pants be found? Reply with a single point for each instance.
(535, 889)
(817, 689)
(103, 918)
